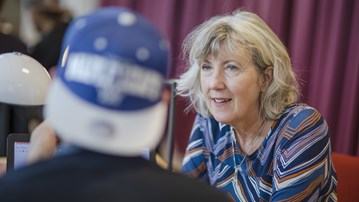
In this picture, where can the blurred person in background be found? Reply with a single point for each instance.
(51, 21)
(8, 42)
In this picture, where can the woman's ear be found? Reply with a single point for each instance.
(267, 78)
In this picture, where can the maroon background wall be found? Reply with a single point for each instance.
(321, 37)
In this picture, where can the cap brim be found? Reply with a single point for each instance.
(114, 132)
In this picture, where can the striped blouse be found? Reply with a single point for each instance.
(293, 163)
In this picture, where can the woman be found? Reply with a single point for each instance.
(251, 138)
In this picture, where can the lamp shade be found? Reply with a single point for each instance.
(23, 80)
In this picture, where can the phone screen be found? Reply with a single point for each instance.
(20, 154)
(17, 151)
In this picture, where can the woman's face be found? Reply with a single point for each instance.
(231, 88)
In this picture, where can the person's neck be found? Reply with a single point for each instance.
(250, 139)
(247, 132)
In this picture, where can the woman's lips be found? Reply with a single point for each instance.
(221, 100)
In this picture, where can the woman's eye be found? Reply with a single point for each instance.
(206, 67)
(231, 68)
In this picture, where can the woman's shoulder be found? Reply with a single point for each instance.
(299, 112)
(300, 121)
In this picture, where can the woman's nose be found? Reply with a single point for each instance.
(217, 81)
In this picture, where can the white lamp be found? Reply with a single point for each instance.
(23, 80)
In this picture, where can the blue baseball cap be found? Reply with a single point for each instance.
(107, 95)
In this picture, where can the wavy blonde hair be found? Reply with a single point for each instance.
(249, 35)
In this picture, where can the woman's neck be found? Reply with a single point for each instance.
(250, 138)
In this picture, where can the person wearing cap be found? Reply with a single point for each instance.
(107, 104)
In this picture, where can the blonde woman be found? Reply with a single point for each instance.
(251, 137)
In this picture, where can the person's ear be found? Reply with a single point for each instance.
(267, 78)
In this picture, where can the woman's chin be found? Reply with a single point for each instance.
(222, 118)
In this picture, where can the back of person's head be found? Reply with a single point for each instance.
(248, 35)
(107, 95)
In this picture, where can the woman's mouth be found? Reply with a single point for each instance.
(221, 100)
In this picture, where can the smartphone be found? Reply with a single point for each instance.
(17, 151)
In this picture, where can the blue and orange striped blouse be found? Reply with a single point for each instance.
(293, 163)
